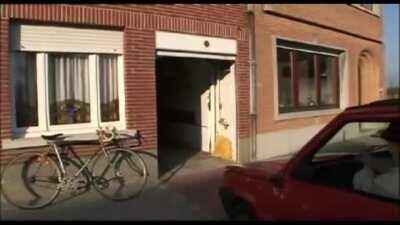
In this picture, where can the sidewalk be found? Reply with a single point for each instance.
(188, 194)
(201, 189)
(154, 204)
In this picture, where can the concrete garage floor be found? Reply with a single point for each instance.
(179, 161)
(187, 193)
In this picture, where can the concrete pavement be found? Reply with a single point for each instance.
(201, 189)
(154, 204)
(187, 194)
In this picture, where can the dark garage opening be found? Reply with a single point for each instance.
(183, 105)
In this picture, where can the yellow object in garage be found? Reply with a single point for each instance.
(223, 148)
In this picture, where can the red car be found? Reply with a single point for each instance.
(316, 183)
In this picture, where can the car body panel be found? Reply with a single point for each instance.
(274, 194)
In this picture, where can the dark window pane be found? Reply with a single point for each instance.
(328, 75)
(25, 88)
(109, 101)
(285, 79)
(306, 79)
(351, 141)
(69, 89)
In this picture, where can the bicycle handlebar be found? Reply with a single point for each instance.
(107, 135)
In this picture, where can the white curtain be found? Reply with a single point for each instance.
(71, 78)
(108, 79)
(69, 88)
(108, 87)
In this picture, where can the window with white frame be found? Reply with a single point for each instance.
(70, 89)
(308, 77)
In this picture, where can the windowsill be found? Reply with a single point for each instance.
(26, 142)
(298, 115)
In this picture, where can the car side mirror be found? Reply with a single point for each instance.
(304, 172)
(277, 180)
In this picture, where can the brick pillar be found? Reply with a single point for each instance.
(140, 84)
(5, 81)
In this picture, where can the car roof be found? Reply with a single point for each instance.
(389, 105)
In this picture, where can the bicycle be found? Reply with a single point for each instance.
(117, 173)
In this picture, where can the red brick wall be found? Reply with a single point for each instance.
(222, 20)
(139, 23)
(242, 89)
(5, 101)
(140, 87)
(229, 14)
(343, 17)
(270, 26)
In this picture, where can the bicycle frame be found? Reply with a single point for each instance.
(69, 171)
(53, 146)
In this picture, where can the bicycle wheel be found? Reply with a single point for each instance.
(120, 174)
(31, 180)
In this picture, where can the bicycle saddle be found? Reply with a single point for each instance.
(53, 137)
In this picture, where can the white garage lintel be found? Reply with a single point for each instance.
(195, 43)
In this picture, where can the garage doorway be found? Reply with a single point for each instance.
(196, 110)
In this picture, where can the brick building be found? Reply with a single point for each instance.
(312, 61)
(72, 68)
(180, 74)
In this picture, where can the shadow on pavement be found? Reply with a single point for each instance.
(153, 204)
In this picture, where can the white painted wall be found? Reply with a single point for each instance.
(288, 141)
(226, 106)
(277, 143)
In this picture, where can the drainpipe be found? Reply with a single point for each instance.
(253, 81)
